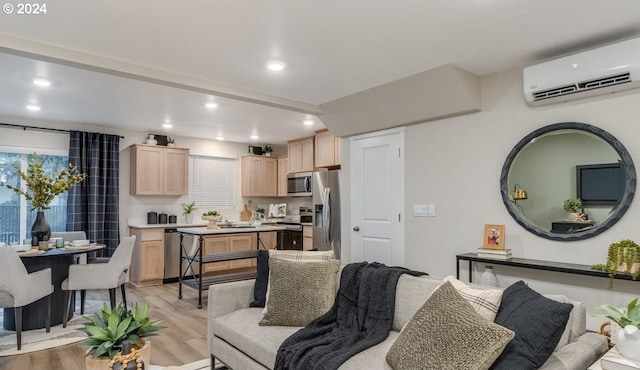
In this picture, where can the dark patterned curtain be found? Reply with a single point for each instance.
(92, 205)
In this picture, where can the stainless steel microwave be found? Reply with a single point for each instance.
(299, 184)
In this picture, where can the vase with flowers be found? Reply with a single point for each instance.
(41, 188)
(628, 318)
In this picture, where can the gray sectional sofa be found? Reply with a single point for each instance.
(236, 339)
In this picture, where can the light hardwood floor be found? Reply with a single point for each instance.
(183, 340)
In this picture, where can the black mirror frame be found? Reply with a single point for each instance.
(618, 212)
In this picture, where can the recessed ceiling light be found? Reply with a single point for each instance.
(41, 82)
(275, 66)
(211, 105)
(33, 107)
(167, 125)
(308, 122)
(255, 137)
(220, 138)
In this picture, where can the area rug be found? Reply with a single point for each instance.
(37, 340)
(197, 365)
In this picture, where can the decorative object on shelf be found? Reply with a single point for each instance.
(267, 150)
(493, 237)
(255, 150)
(171, 141)
(110, 329)
(151, 140)
(41, 189)
(187, 211)
(623, 257)
(628, 339)
(245, 215)
(518, 194)
(489, 277)
(572, 205)
(212, 217)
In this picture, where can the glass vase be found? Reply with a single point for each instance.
(488, 277)
(40, 231)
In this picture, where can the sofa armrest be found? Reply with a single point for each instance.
(226, 298)
(579, 354)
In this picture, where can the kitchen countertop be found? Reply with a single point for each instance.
(145, 225)
(229, 230)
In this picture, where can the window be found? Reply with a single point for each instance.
(16, 216)
(212, 182)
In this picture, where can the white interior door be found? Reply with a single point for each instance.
(377, 197)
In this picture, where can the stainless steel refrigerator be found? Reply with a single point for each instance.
(326, 211)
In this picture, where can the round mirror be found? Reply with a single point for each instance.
(564, 161)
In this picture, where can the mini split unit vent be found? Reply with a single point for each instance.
(607, 69)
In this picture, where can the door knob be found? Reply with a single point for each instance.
(356, 228)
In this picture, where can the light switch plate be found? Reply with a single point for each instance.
(431, 210)
(420, 210)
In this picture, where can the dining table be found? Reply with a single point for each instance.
(58, 260)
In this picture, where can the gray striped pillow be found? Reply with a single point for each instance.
(486, 302)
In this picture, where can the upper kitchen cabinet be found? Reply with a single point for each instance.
(301, 155)
(158, 170)
(259, 176)
(283, 170)
(327, 149)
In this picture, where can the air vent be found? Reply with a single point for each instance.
(583, 86)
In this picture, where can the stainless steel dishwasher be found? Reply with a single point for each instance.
(171, 255)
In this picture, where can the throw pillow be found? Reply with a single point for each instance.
(538, 323)
(262, 280)
(262, 276)
(299, 291)
(486, 302)
(447, 333)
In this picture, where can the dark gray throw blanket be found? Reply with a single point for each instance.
(361, 317)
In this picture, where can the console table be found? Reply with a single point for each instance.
(569, 268)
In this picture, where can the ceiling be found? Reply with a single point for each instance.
(135, 64)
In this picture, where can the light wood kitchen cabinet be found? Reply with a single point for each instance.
(259, 176)
(158, 170)
(327, 149)
(269, 240)
(301, 155)
(307, 237)
(283, 171)
(147, 260)
(226, 244)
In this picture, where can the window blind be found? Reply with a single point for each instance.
(212, 182)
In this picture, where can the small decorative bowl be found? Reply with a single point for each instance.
(212, 221)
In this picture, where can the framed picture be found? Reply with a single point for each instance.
(493, 237)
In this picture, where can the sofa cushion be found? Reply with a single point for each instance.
(241, 330)
(262, 276)
(411, 293)
(538, 323)
(299, 291)
(486, 302)
(447, 333)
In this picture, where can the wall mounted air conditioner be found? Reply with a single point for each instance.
(603, 70)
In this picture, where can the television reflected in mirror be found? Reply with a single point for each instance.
(600, 184)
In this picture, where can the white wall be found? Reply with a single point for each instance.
(456, 163)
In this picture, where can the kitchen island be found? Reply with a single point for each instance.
(219, 255)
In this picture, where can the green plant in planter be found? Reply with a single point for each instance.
(572, 205)
(188, 207)
(630, 316)
(212, 213)
(625, 253)
(109, 329)
(267, 149)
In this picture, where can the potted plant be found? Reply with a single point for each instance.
(572, 205)
(212, 217)
(171, 141)
(628, 339)
(187, 211)
(623, 257)
(41, 189)
(110, 329)
(267, 150)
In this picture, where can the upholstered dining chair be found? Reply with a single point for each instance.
(93, 276)
(19, 288)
